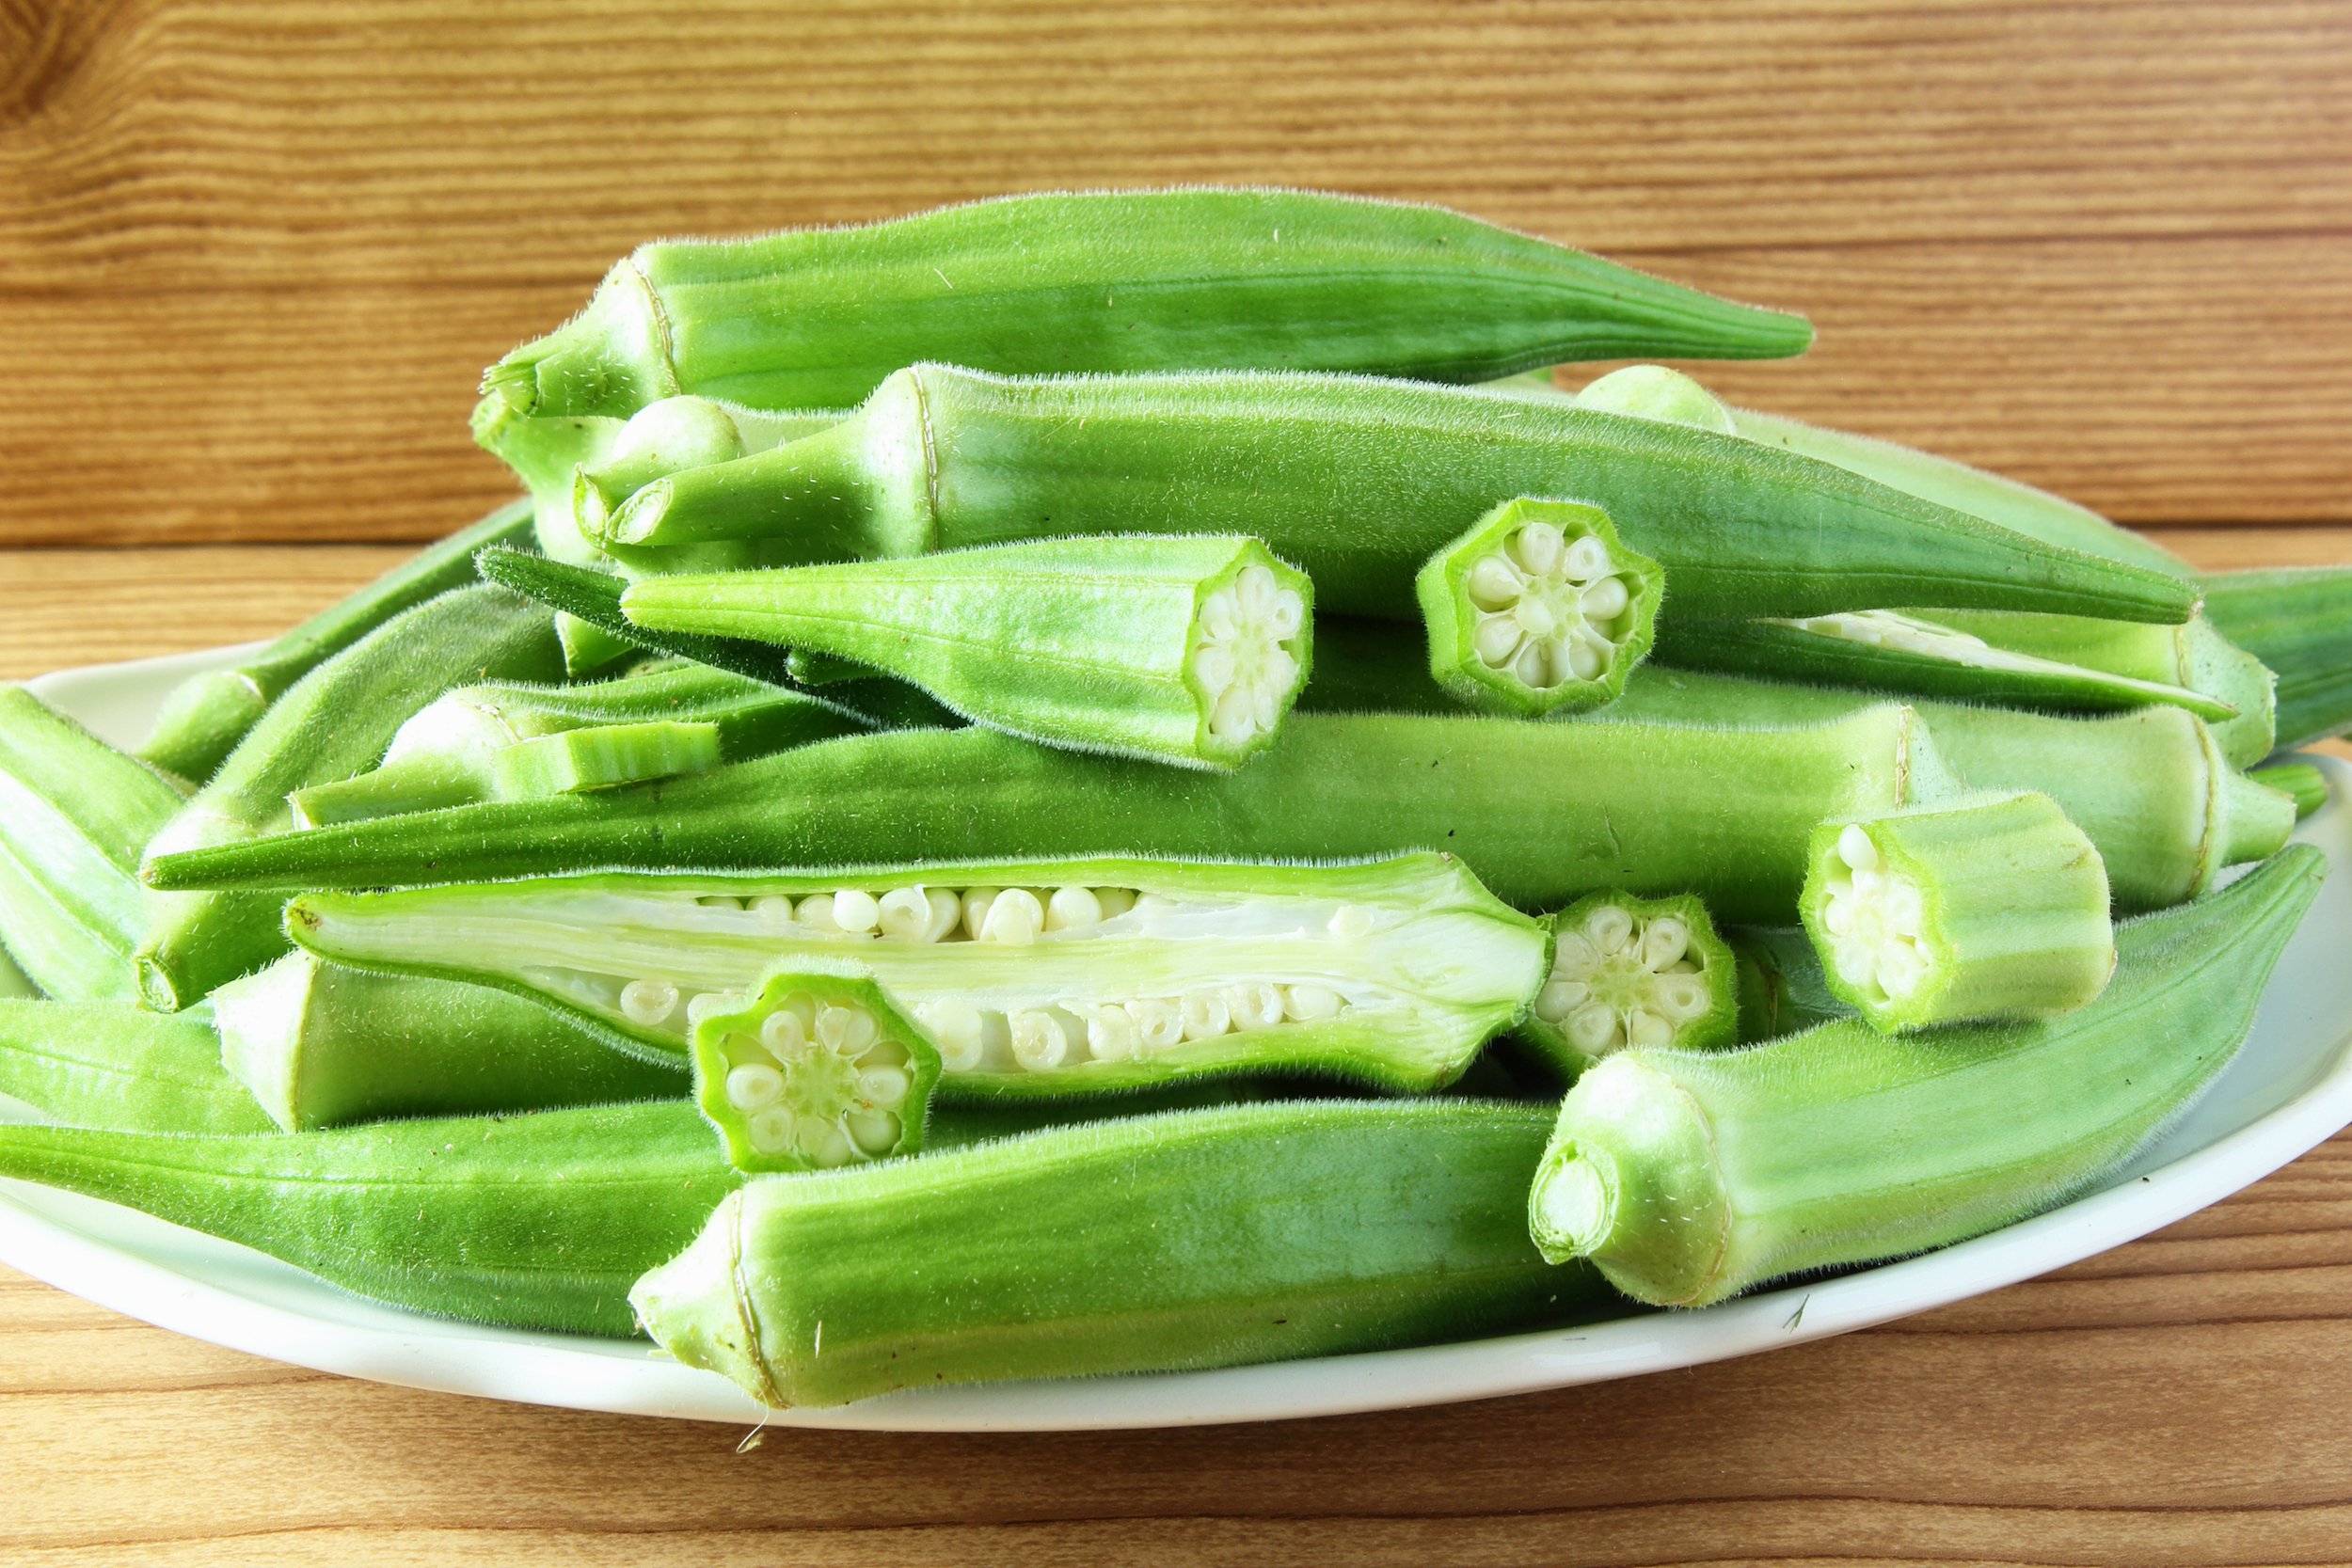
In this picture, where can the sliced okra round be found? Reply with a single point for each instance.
(1627, 971)
(1538, 607)
(816, 1069)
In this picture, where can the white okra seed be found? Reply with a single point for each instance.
(846, 1031)
(1205, 1015)
(1575, 958)
(1585, 559)
(1666, 940)
(854, 910)
(823, 1142)
(1538, 548)
(1212, 667)
(647, 1003)
(1288, 614)
(1585, 662)
(1643, 1027)
(1159, 1021)
(1855, 848)
(1310, 1004)
(1530, 666)
(1606, 599)
(875, 1132)
(774, 911)
(770, 1129)
(1114, 901)
(816, 912)
(956, 1024)
(1494, 583)
(1254, 1005)
(753, 1085)
(782, 1033)
(1352, 921)
(976, 903)
(1253, 590)
(1014, 918)
(1073, 908)
(1216, 614)
(703, 1004)
(1559, 998)
(1111, 1034)
(1594, 1029)
(1040, 1043)
(1235, 716)
(1495, 639)
(883, 1086)
(1607, 928)
(905, 913)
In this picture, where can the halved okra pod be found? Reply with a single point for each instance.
(1036, 977)
(1995, 907)
(510, 740)
(1234, 1236)
(205, 716)
(107, 1064)
(1184, 650)
(1656, 808)
(1689, 1177)
(319, 1045)
(74, 814)
(1627, 971)
(1537, 607)
(2297, 620)
(335, 721)
(1106, 281)
(1357, 481)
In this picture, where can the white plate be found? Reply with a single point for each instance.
(2289, 1089)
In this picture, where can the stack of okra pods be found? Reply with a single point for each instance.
(1063, 786)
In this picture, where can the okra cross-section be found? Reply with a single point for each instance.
(1186, 650)
(1040, 977)
(1537, 607)
(815, 1069)
(1627, 971)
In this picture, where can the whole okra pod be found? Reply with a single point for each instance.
(74, 814)
(1240, 1235)
(335, 721)
(205, 716)
(1105, 280)
(1357, 481)
(1689, 1177)
(2297, 620)
(1658, 808)
(106, 1064)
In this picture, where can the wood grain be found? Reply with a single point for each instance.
(253, 252)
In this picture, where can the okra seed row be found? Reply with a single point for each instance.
(1073, 1033)
(1239, 657)
(1622, 979)
(1549, 607)
(1873, 917)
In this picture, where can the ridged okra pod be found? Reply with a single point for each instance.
(1234, 1236)
(2297, 620)
(110, 1065)
(540, 1221)
(1105, 280)
(1628, 971)
(1689, 1177)
(335, 721)
(1357, 481)
(319, 1045)
(74, 814)
(1186, 650)
(511, 740)
(14, 982)
(1990, 908)
(1657, 808)
(1782, 988)
(205, 716)
(1030, 977)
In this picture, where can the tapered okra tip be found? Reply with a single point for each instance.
(1573, 1204)
(693, 1309)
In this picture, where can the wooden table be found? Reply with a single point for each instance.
(251, 256)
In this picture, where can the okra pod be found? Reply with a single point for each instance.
(1628, 971)
(1240, 1235)
(1105, 280)
(1782, 988)
(1991, 908)
(14, 982)
(333, 722)
(2306, 783)
(540, 1221)
(319, 1045)
(2297, 620)
(1183, 650)
(1029, 977)
(106, 1064)
(1357, 481)
(205, 716)
(1689, 1177)
(1658, 808)
(74, 814)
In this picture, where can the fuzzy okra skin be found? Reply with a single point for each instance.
(1248, 1234)
(333, 722)
(205, 716)
(1632, 971)
(74, 814)
(1689, 1177)
(539, 1221)
(1990, 908)
(1186, 650)
(1356, 481)
(14, 982)
(320, 1045)
(106, 1064)
(1782, 987)
(1034, 977)
(1658, 808)
(2297, 620)
(1105, 280)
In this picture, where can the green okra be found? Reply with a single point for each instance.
(2297, 621)
(1782, 988)
(593, 597)
(1105, 280)
(539, 1221)
(1032, 978)
(1247, 1234)
(2306, 783)
(1357, 481)
(1658, 808)
(1185, 650)
(813, 1068)
(319, 1045)
(1688, 1176)
(14, 982)
(511, 740)
(205, 716)
(74, 814)
(1628, 971)
(1991, 908)
(106, 1064)
(333, 722)
(1537, 607)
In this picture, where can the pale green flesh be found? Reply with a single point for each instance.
(1425, 965)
